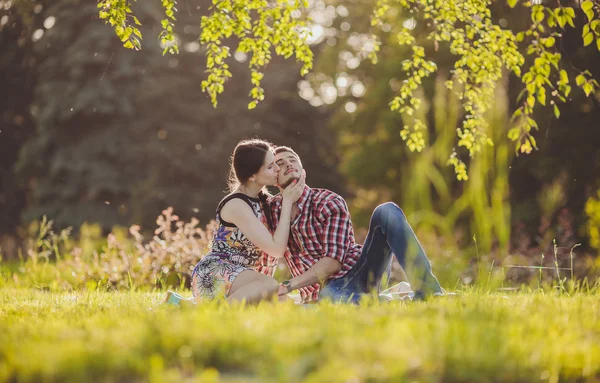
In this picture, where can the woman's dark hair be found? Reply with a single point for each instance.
(247, 159)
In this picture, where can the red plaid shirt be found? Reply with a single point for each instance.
(322, 228)
(267, 265)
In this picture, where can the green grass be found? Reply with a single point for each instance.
(131, 337)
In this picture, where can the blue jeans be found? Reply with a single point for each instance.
(389, 233)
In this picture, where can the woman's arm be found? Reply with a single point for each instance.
(240, 214)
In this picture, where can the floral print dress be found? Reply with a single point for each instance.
(231, 253)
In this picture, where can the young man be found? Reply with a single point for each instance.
(322, 250)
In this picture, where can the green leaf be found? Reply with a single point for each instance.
(531, 101)
(549, 42)
(516, 70)
(589, 14)
(533, 142)
(541, 96)
(564, 77)
(588, 88)
(531, 122)
(516, 114)
(587, 5)
(556, 111)
(598, 44)
(588, 39)
(539, 16)
(126, 34)
(569, 12)
(512, 3)
(514, 133)
(580, 80)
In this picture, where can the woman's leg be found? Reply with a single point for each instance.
(252, 287)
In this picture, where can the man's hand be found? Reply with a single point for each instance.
(282, 290)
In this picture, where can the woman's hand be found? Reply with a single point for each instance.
(293, 192)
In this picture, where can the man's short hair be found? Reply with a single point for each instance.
(281, 149)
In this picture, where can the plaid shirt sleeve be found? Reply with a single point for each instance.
(337, 229)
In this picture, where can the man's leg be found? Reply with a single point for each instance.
(390, 230)
(340, 291)
(366, 274)
(389, 233)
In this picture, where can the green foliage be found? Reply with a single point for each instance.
(102, 336)
(118, 14)
(592, 210)
(483, 51)
(259, 26)
(167, 37)
(546, 79)
(445, 213)
(482, 48)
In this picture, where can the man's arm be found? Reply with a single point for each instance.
(334, 239)
(318, 273)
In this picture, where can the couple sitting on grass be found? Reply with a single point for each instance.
(310, 228)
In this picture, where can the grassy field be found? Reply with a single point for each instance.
(133, 337)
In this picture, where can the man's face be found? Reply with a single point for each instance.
(290, 168)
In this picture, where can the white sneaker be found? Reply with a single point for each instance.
(400, 291)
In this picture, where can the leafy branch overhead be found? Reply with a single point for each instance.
(484, 52)
(259, 26)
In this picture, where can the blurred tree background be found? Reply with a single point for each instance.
(92, 132)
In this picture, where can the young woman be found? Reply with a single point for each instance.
(241, 233)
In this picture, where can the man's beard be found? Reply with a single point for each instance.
(289, 182)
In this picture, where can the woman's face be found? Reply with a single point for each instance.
(267, 175)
